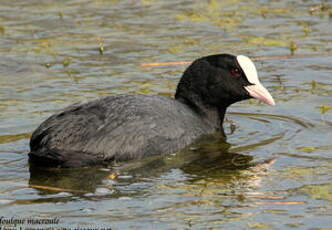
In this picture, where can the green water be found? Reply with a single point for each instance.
(54, 53)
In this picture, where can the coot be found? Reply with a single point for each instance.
(127, 127)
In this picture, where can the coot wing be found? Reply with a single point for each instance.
(120, 128)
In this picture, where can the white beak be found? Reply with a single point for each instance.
(257, 90)
(260, 92)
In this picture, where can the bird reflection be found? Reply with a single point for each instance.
(209, 157)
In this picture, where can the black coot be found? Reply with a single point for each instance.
(126, 127)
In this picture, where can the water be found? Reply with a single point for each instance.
(276, 170)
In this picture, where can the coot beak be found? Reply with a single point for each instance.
(256, 90)
(260, 92)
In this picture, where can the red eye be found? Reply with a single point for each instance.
(235, 72)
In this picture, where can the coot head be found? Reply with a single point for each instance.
(218, 81)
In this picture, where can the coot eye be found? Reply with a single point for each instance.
(235, 72)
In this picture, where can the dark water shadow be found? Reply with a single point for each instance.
(207, 158)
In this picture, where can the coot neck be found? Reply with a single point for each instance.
(211, 114)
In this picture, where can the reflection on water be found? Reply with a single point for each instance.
(273, 172)
(227, 172)
(211, 150)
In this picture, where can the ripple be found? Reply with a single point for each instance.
(201, 192)
(298, 121)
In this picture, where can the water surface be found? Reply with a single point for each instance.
(54, 53)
